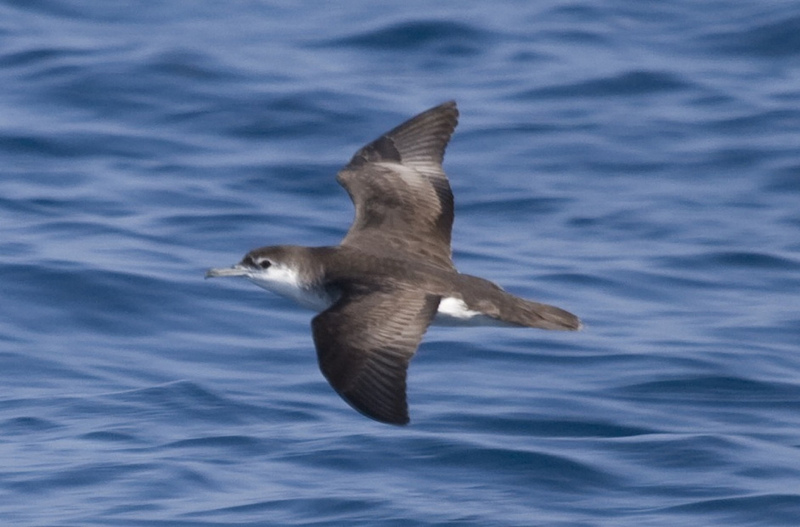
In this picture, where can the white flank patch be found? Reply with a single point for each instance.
(454, 312)
(455, 308)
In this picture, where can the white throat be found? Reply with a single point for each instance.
(286, 281)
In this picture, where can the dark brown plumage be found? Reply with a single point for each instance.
(380, 289)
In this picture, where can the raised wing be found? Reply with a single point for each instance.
(401, 194)
(365, 342)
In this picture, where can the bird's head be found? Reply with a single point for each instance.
(282, 269)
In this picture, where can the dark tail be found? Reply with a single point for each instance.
(544, 316)
(488, 298)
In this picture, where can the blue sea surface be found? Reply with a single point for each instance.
(636, 163)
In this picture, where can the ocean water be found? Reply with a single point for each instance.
(636, 163)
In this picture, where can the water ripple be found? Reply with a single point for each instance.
(635, 163)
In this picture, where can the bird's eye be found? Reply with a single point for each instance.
(264, 264)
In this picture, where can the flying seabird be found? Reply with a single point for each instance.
(392, 275)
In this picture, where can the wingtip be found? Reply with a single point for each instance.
(450, 107)
(448, 104)
(424, 137)
(394, 421)
(403, 421)
(379, 413)
(421, 139)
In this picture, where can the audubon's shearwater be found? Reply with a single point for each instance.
(392, 275)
